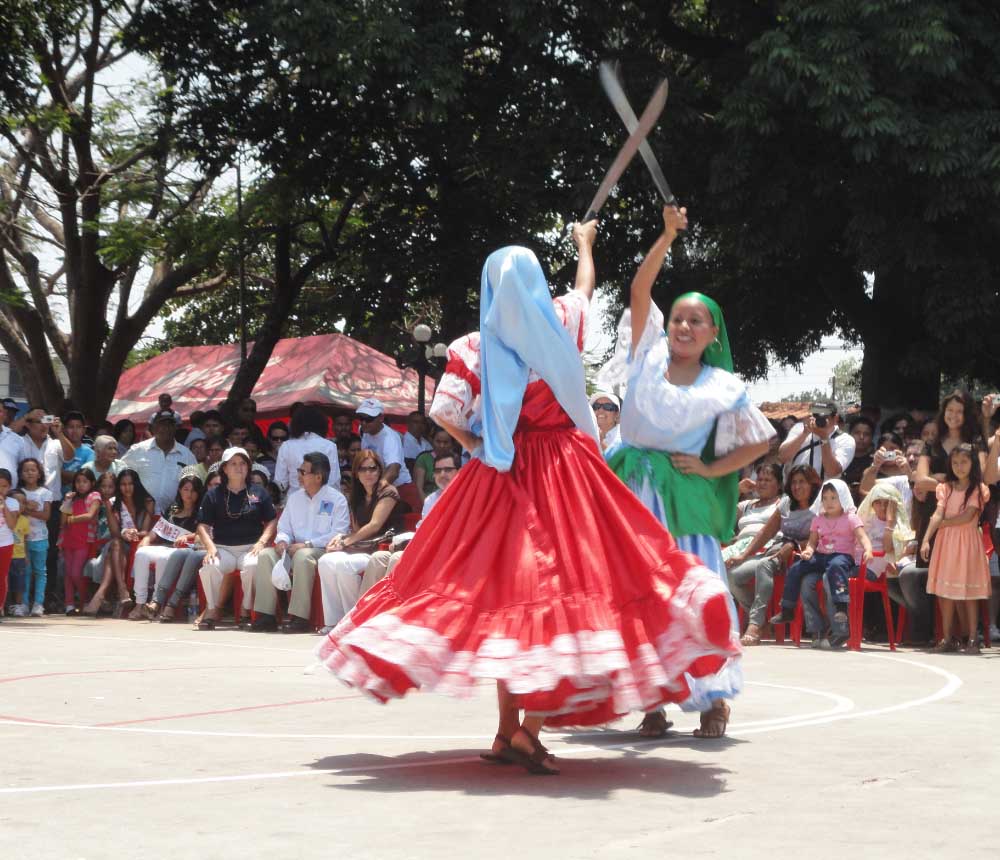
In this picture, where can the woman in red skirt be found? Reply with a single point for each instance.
(537, 568)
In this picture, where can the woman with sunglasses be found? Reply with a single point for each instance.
(606, 410)
(537, 568)
(375, 508)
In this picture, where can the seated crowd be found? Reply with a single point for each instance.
(903, 498)
(190, 519)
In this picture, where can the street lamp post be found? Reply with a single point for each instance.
(424, 360)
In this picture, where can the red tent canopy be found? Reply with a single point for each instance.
(326, 370)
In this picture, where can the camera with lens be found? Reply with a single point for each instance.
(822, 413)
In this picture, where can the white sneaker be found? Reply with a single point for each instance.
(19, 610)
(325, 630)
(37, 610)
(994, 634)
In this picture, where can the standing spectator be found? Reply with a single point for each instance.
(958, 422)
(214, 450)
(74, 427)
(199, 450)
(237, 435)
(901, 423)
(342, 427)
(374, 507)
(863, 433)
(890, 464)
(929, 432)
(11, 447)
(106, 457)
(819, 442)
(213, 425)
(125, 435)
(607, 411)
(308, 434)
(307, 524)
(197, 419)
(235, 522)
(415, 440)
(79, 515)
(10, 509)
(22, 526)
(159, 460)
(277, 435)
(959, 571)
(37, 507)
(246, 410)
(43, 443)
(10, 410)
(424, 478)
(388, 444)
(165, 403)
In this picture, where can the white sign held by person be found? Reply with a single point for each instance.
(168, 531)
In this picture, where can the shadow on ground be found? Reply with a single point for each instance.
(583, 778)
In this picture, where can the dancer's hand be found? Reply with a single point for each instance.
(688, 464)
(585, 234)
(674, 219)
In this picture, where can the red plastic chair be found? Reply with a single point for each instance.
(410, 521)
(858, 587)
(798, 625)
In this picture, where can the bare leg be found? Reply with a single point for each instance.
(947, 617)
(509, 721)
(714, 722)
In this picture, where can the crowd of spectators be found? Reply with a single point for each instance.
(186, 518)
(905, 496)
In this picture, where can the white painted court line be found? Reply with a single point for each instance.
(841, 705)
(305, 653)
(951, 685)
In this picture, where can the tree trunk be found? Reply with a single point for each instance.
(287, 289)
(899, 368)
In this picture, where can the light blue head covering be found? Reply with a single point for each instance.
(519, 330)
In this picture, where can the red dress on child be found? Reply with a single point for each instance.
(552, 577)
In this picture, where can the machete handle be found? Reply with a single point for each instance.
(590, 216)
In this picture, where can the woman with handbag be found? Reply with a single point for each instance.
(375, 509)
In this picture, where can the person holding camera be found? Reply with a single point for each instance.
(819, 442)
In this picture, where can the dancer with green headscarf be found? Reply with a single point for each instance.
(687, 428)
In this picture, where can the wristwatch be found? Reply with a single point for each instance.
(308, 544)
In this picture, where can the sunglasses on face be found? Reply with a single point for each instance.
(368, 468)
(607, 407)
(303, 472)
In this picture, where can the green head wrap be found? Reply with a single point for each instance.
(717, 354)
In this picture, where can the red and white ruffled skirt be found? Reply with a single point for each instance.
(552, 578)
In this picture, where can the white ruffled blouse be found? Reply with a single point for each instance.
(658, 415)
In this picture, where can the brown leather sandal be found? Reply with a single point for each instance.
(654, 725)
(714, 722)
(534, 762)
(497, 758)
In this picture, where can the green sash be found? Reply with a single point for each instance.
(694, 505)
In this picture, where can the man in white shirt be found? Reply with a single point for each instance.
(384, 441)
(415, 440)
(159, 460)
(309, 521)
(819, 442)
(307, 434)
(41, 443)
(11, 449)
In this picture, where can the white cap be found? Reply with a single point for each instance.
(370, 407)
(229, 453)
(603, 395)
(260, 467)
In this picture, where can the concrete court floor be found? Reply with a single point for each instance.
(145, 740)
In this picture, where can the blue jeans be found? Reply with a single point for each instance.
(35, 552)
(838, 568)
